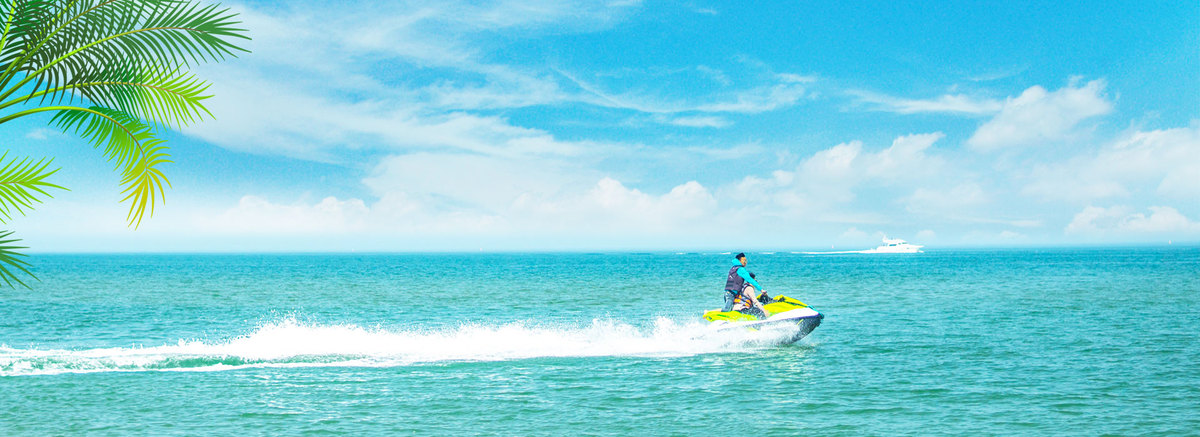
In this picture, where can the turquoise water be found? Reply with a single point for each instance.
(1063, 341)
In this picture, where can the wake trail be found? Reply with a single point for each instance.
(288, 343)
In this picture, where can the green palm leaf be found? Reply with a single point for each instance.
(169, 97)
(127, 34)
(27, 24)
(11, 259)
(131, 146)
(21, 181)
(24, 21)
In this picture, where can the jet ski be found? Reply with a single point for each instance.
(785, 313)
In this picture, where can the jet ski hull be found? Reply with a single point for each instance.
(785, 312)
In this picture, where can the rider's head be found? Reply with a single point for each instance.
(741, 257)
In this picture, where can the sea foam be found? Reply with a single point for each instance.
(289, 343)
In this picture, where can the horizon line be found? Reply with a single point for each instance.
(759, 251)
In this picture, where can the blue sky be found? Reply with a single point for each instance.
(619, 125)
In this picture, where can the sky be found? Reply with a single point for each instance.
(642, 125)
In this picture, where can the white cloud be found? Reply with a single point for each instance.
(825, 183)
(428, 30)
(926, 235)
(701, 121)
(256, 215)
(1018, 223)
(502, 90)
(469, 182)
(548, 15)
(850, 184)
(1011, 235)
(781, 90)
(723, 153)
(940, 201)
(795, 78)
(854, 233)
(998, 74)
(965, 202)
(854, 238)
(789, 90)
(607, 207)
(1173, 154)
(519, 196)
(716, 75)
(1160, 162)
(846, 165)
(612, 207)
(984, 238)
(288, 121)
(1124, 219)
(41, 134)
(951, 103)
(1038, 116)
(905, 157)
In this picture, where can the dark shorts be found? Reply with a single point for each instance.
(754, 311)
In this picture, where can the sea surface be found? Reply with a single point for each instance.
(1027, 342)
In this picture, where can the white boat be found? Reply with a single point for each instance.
(895, 245)
(889, 246)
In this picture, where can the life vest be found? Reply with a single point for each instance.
(741, 299)
(735, 283)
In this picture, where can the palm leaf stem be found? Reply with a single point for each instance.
(84, 85)
(32, 111)
(76, 108)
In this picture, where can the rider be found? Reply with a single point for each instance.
(739, 289)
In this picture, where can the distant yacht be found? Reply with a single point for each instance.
(890, 245)
(895, 245)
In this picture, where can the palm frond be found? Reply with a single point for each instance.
(27, 23)
(162, 96)
(130, 34)
(131, 146)
(11, 259)
(21, 181)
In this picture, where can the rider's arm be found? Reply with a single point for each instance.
(745, 274)
(761, 306)
(748, 294)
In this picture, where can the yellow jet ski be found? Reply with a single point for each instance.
(784, 311)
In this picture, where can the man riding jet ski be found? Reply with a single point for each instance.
(739, 289)
(743, 310)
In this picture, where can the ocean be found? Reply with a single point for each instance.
(1018, 341)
